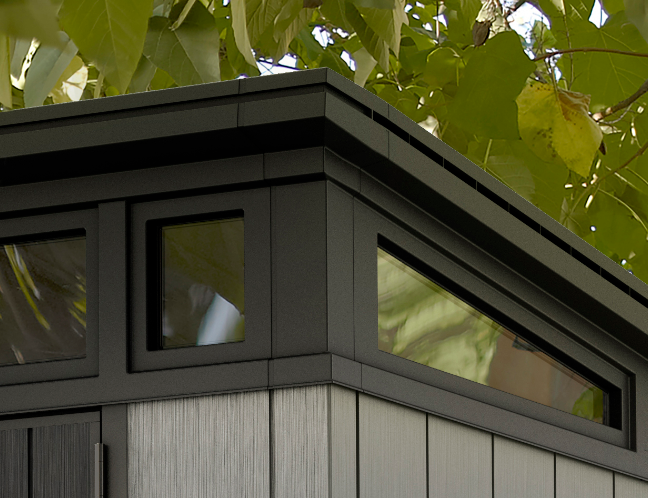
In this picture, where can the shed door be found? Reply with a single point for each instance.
(48, 457)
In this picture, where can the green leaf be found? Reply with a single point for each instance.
(335, 11)
(460, 17)
(443, 66)
(549, 179)
(364, 65)
(46, 68)
(190, 54)
(608, 78)
(613, 6)
(493, 78)
(333, 61)
(560, 11)
(30, 19)
(313, 48)
(111, 33)
(161, 80)
(260, 15)
(374, 44)
(6, 98)
(617, 229)
(182, 15)
(637, 12)
(284, 37)
(239, 28)
(386, 23)
(286, 16)
(376, 4)
(405, 101)
(142, 76)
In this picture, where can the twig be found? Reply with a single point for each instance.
(623, 104)
(635, 156)
(587, 49)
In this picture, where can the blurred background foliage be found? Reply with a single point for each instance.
(548, 96)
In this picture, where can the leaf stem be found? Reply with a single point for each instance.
(587, 49)
(490, 142)
(98, 85)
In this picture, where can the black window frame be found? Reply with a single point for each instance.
(433, 255)
(55, 226)
(146, 218)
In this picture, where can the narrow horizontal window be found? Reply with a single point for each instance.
(422, 322)
(202, 283)
(42, 301)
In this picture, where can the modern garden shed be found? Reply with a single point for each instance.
(282, 287)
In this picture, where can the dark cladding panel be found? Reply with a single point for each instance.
(299, 269)
(63, 461)
(14, 461)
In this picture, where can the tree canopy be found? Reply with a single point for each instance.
(558, 114)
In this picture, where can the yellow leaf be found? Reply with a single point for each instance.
(70, 85)
(556, 126)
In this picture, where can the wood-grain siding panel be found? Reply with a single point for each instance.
(343, 442)
(460, 460)
(575, 479)
(200, 446)
(13, 463)
(628, 487)
(393, 449)
(300, 435)
(63, 461)
(521, 470)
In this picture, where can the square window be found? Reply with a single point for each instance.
(42, 300)
(49, 297)
(201, 280)
(202, 270)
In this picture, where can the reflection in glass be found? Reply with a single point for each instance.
(42, 301)
(202, 268)
(423, 322)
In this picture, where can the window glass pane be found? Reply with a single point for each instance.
(423, 322)
(203, 267)
(42, 301)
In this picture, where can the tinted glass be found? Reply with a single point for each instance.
(420, 321)
(202, 268)
(42, 301)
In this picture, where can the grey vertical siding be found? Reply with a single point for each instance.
(200, 447)
(627, 487)
(521, 470)
(63, 461)
(460, 460)
(300, 442)
(342, 447)
(393, 447)
(13, 463)
(575, 479)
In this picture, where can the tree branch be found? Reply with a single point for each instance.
(587, 49)
(635, 156)
(623, 104)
